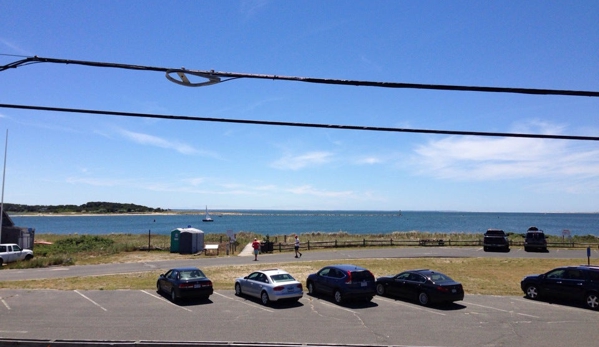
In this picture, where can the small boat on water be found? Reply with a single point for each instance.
(207, 218)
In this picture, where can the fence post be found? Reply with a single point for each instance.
(280, 248)
(363, 242)
(335, 243)
(308, 244)
(391, 242)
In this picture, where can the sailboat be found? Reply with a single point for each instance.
(207, 218)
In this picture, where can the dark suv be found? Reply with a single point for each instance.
(495, 239)
(343, 282)
(578, 283)
(535, 240)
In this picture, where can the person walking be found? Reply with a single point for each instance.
(256, 247)
(296, 247)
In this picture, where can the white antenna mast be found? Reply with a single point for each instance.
(3, 178)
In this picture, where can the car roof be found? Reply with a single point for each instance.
(270, 272)
(533, 228)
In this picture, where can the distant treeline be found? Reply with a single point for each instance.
(90, 207)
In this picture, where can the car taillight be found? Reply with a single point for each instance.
(300, 286)
(348, 279)
(442, 289)
(278, 288)
(185, 285)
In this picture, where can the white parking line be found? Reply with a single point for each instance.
(90, 300)
(243, 302)
(326, 303)
(500, 310)
(411, 306)
(168, 302)
(5, 304)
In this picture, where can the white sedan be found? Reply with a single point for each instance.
(269, 285)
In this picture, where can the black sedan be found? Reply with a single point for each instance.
(183, 283)
(574, 283)
(425, 286)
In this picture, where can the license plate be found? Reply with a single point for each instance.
(453, 290)
(289, 289)
(363, 284)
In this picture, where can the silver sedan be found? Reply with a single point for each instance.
(269, 285)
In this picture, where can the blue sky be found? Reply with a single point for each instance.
(59, 158)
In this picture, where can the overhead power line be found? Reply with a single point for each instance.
(294, 124)
(214, 77)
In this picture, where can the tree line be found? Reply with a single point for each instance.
(98, 207)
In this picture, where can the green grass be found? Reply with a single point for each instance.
(492, 276)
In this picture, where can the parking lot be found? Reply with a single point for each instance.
(145, 315)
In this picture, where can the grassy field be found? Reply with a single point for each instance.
(489, 276)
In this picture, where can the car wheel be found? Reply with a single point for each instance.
(173, 296)
(380, 289)
(158, 287)
(526, 249)
(310, 288)
(486, 249)
(532, 292)
(237, 289)
(337, 296)
(592, 300)
(264, 298)
(423, 299)
(28, 257)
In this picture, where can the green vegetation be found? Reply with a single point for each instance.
(490, 276)
(90, 207)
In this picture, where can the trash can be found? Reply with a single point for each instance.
(266, 247)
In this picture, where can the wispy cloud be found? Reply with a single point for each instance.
(309, 190)
(297, 162)
(13, 47)
(151, 140)
(479, 159)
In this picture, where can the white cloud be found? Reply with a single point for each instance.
(309, 190)
(467, 158)
(156, 141)
(290, 162)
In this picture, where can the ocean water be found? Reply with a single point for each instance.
(276, 222)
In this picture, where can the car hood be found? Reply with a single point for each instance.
(384, 278)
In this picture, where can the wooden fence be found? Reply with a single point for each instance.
(285, 247)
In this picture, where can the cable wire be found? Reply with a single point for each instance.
(304, 125)
(215, 74)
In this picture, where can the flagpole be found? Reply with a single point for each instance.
(3, 178)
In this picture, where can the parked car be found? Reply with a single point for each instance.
(535, 240)
(269, 285)
(425, 286)
(184, 283)
(343, 281)
(10, 252)
(496, 239)
(578, 283)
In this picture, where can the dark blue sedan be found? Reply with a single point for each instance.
(184, 283)
(425, 286)
(343, 281)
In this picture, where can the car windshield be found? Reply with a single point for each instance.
(361, 276)
(190, 274)
(282, 278)
(535, 236)
(437, 278)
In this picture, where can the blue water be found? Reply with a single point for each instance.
(289, 222)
